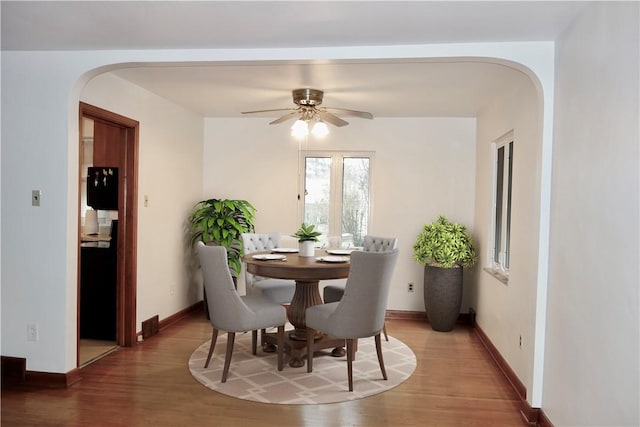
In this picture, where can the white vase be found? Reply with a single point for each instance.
(306, 248)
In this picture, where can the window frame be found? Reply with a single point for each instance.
(336, 186)
(499, 255)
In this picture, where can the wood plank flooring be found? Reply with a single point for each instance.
(456, 383)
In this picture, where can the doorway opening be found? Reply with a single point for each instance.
(107, 230)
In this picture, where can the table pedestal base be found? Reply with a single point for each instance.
(297, 350)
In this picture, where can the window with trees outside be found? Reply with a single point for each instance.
(337, 194)
(501, 221)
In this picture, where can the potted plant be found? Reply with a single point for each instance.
(307, 236)
(444, 248)
(221, 222)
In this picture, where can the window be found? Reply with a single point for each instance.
(501, 218)
(337, 194)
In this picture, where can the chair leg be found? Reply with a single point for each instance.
(380, 359)
(350, 362)
(280, 347)
(214, 338)
(310, 334)
(227, 358)
(384, 329)
(254, 341)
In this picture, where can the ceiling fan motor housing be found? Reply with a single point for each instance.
(307, 97)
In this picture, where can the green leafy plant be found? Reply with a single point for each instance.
(307, 233)
(221, 222)
(444, 244)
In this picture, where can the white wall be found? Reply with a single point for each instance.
(422, 168)
(507, 311)
(591, 374)
(170, 175)
(36, 249)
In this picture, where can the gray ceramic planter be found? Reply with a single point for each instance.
(442, 296)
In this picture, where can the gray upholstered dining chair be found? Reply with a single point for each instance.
(360, 312)
(234, 313)
(278, 290)
(334, 291)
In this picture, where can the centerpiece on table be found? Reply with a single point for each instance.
(444, 248)
(307, 237)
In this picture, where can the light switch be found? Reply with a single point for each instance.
(35, 197)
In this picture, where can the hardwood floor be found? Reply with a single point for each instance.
(456, 383)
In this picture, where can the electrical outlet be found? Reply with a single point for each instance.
(520, 342)
(32, 332)
(410, 287)
(36, 195)
(172, 290)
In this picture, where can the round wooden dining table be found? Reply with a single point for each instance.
(307, 273)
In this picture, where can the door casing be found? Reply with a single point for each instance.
(126, 287)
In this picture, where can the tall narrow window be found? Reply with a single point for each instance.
(337, 189)
(501, 224)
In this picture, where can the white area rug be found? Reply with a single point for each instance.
(257, 377)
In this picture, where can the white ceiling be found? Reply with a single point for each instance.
(385, 88)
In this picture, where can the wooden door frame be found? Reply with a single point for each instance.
(126, 334)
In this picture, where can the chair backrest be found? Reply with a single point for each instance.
(362, 308)
(254, 242)
(227, 311)
(379, 244)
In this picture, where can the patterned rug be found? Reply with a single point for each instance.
(257, 378)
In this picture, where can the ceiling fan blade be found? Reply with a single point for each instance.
(355, 113)
(268, 111)
(331, 118)
(285, 117)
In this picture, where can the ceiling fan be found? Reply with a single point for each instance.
(308, 110)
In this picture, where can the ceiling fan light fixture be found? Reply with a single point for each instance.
(320, 129)
(308, 110)
(300, 129)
